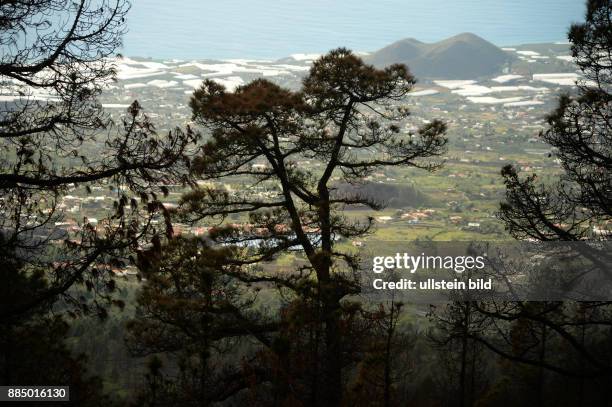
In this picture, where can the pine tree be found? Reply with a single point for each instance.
(57, 57)
(580, 205)
(564, 337)
(291, 150)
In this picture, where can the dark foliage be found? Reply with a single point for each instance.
(560, 345)
(57, 57)
(345, 118)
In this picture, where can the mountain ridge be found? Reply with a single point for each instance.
(463, 56)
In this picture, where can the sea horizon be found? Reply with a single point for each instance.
(241, 29)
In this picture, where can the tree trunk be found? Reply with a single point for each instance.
(390, 331)
(332, 385)
(541, 372)
(464, 351)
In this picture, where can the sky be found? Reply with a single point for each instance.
(272, 29)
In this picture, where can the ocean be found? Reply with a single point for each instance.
(272, 29)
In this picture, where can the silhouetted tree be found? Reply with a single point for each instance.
(566, 338)
(290, 150)
(385, 347)
(580, 132)
(193, 311)
(57, 57)
(33, 348)
(454, 326)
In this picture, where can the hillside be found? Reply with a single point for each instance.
(464, 56)
(389, 195)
